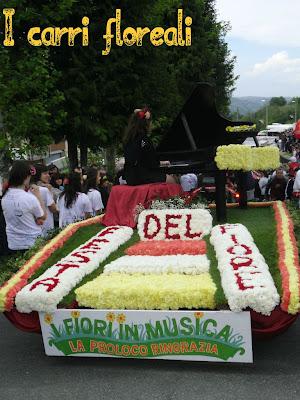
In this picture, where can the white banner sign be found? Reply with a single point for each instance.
(219, 336)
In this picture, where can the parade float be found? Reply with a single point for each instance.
(179, 286)
(172, 279)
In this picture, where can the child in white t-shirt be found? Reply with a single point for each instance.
(72, 204)
(42, 179)
(24, 212)
(93, 179)
(50, 207)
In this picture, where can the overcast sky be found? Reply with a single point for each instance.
(265, 38)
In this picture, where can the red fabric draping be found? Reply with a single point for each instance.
(24, 322)
(29, 322)
(123, 199)
(262, 327)
(267, 327)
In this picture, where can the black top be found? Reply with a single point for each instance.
(140, 152)
(141, 162)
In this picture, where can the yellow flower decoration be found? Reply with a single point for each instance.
(198, 314)
(48, 319)
(121, 318)
(236, 157)
(241, 128)
(148, 292)
(75, 314)
(110, 317)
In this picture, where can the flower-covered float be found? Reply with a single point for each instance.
(176, 259)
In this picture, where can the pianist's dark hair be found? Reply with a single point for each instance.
(136, 126)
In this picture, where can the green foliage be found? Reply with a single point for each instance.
(78, 93)
(278, 101)
(283, 114)
(31, 102)
(208, 59)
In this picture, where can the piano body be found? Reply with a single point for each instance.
(191, 142)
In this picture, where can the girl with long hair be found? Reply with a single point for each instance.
(91, 184)
(23, 207)
(72, 204)
(42, 178)
(141, 161)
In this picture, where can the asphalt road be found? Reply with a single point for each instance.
(26, 373)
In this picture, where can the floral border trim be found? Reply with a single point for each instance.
(288, 261)
(10, 288)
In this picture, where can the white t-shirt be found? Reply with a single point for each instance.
(296, 187)
(48, 201)
(96, 201)
(76, 212)
(263, 182)
(20, 211)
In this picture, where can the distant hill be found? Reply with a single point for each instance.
(247, 104)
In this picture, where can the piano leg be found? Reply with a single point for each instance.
(242, 188)
(221, 209)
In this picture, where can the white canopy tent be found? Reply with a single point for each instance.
(279, 128)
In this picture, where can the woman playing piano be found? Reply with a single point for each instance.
(141, 161)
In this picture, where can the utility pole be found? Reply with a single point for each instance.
(296, 106)
(267, 113)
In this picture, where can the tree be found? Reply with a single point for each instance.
(93, 95)
(31, 103)
(102, 91)
(278, 101)
(208, 59)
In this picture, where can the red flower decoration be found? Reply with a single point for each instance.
(167, 248)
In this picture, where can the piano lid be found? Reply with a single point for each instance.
(199, 125)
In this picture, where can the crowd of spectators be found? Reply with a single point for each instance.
(36, 199)
(288, 144)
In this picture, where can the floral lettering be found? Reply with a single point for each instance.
(147, 223)
(171, 225)
(50, 283)
(188, 233)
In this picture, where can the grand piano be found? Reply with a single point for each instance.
(191, 143)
